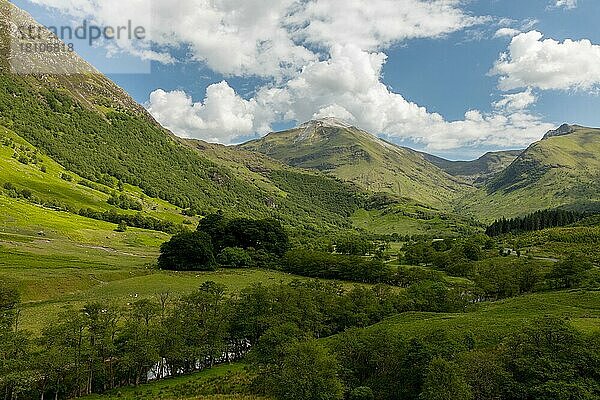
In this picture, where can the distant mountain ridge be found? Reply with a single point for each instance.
(561, 170)
(477, 172)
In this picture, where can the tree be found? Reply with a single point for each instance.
(272, 345)
(419, 253)
(234, 257)
(486, 374)
(188, 251)
(306, 372)
(137, 343)
(444, 382)
(265, 234)
(9, 299)
(200, 322)
(570, 272)
(430, 296)
(549, 359)
(354, 245)
(472, 251)
(215, 226)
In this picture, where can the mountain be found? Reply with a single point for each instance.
(353, 155)
(561, 170)
(479, 171)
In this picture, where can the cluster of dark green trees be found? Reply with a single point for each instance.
(546, 360)
(537, 221)
(234, 242)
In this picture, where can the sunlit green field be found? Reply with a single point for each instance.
(59, 260)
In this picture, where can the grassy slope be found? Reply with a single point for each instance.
(49, 185)
(412, 219)
(357, 156)
(557, 171)
(219, 383)
(493, 321)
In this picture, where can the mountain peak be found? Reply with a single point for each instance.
(327, 122)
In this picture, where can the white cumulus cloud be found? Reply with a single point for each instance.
(532, 61)
(349, 86)
(376, 24)
(321, 59)
(221, 117)
(271, 38)
(506, 32)
(517, 101)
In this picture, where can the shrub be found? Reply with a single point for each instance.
(234, 257)
(188, 251)
(122, 227)
(66, 177)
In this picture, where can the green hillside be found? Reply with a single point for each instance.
(559, 171)
(354, 155)
(407, 218)
(27, 173)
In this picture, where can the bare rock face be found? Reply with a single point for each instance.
(564, 129)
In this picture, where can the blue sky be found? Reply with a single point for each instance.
(411, 83)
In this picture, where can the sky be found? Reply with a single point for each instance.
(455, 78)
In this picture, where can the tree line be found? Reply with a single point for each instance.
(537, 221)
(137, 220)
